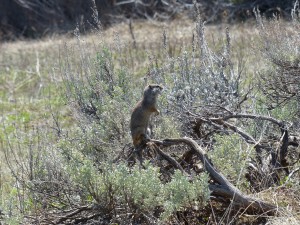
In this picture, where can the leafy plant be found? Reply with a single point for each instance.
(231, 156)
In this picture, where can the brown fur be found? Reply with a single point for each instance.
(141, 114)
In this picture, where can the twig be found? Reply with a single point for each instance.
(131, 33)
(68, 216)
(291, 174)
(170, 159)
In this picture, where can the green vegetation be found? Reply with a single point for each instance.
(65, 141)
(231, 156)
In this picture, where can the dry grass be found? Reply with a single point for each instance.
(147, 33)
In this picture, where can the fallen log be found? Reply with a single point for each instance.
(224, 188)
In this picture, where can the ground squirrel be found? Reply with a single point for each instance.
(141, 114)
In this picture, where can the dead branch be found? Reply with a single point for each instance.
(224, 187)
(251, 116)
(221, 122)
(170, 159)
(72, 214)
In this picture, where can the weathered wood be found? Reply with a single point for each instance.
(224, 187)
(170, 159)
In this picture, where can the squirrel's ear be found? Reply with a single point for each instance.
(150, 86)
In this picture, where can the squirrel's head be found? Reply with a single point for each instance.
(152, 91)
(155, 88)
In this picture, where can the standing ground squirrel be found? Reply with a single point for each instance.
(141, 114)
